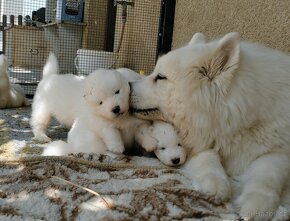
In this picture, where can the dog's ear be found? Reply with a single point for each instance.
(145, 137)
(225, 58)
(197, 38)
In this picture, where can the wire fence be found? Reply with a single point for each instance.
(84, 35)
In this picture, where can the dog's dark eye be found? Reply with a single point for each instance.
(160, 77)
(162, 148)
(179, 145)
(117, 92)
(101, 102)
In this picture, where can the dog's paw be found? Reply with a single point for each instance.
(214, 185)
(149, 145)
(41, 138)
(257, 206)
(116, 148)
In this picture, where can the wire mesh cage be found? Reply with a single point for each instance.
(84, 35)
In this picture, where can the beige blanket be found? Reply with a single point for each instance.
(90, 186)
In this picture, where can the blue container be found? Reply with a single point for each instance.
(70, 10)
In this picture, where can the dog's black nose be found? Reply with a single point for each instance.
(175, 161)
(116, 110)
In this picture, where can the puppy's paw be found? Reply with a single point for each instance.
(257, 205)
(116, 148)
(214, 185)
(149, 144)
(41, 138)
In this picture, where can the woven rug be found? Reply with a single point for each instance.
(90, 186)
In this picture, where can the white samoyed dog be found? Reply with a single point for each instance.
(57, 95)
(60, 96)
(230, 102)
(162, 139)
(11, 95)
(104, 123)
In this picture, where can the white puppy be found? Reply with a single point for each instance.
(104, 123)
(11, 95)
(57, 96)
(162, 138)
(60, 96)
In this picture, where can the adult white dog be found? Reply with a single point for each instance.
(60, 96)
(230, 101)
(11, 95)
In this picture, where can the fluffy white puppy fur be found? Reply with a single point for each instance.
(59, 96)
(104, 123)
(11, 95)
(162, 138)
(230, 102)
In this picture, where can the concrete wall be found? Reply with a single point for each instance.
(265, 21)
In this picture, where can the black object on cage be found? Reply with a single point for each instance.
(167, 14)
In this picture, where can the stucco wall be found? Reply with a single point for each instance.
(265, 21)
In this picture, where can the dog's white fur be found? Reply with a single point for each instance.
(11, 95)
(162, 138)
(59, 96)
(98, 130)
(104, 123)
(230, 102)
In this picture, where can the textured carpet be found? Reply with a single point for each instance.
(90, 186)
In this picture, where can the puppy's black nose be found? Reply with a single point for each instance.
(116, 110)
(175, 161)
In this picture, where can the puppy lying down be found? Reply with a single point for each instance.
(162, 139)
(60, 96)
(11, 95)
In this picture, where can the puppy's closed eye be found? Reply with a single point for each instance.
(101, 102)
(117, 92)
(162, 148)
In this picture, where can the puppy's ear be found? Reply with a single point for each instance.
(224, 59)
(197, 38)
(145, 138)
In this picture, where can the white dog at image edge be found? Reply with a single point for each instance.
(11, 95)
(230, 102)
